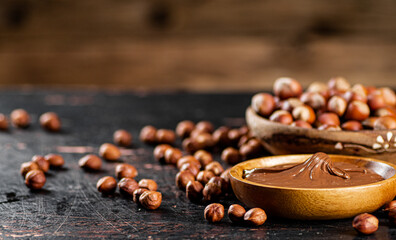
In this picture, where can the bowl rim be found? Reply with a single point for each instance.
(375, 184)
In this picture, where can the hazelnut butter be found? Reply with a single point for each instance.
(318, 171)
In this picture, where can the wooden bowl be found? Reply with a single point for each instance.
(315, 203)
(279, 139)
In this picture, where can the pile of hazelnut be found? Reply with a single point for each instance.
(333, 106)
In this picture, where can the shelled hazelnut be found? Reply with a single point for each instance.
(191, 167)
(125, 170)
(215, 167)
(220, 136)
(365, 223)
(263, 104)
(127, 186)
(390, 206)
(27, 167)
(106, 185)
(148, 134)
(50, 122)
(136, 194)
(188, 145)
(203, 140)
(159, 152)
(252, 148)
(231, 156)
(236, 213)
(287, 88)
(204, 176)
(211, 191)
(220, 182)
(41, 162)
(148, 184)
(214, 212)
(194, 191)
(165, 136)
(204, 157)
(281, 116)
(255, 216)
(3, 122)
(188, 159)
(35, 179)
(184, 128)
(122, 138)
(55, 160)
(234, 135)
(172, 155)
(204, 126)
(304, 113)
(90, 162)
(109, 152)
(20, 118)
(385, 123)
(150, 199)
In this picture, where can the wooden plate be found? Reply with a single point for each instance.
(284, 139)
(315, 203)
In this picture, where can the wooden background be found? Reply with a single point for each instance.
(197, 45)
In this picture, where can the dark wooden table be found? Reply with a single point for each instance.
(69, 207)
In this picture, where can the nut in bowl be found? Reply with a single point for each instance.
(315, 203)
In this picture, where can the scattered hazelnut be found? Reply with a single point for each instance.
(148, 184)
(27, 167)
(136, 194)
(305, 113)
(159, 152)
(172, 155)
(215, 167)
(41, 162)
(35, 179)
(281, 116)
(236, 213)
(55, 160)
(287, 88)
(148, 134)
(90, 162)
(352, 126)
(314, 99)
(251, 149)
(211, 191)
(220, 182)
(220, 137)
(255, 216)
(203, 140)
(263, 104)
(50, 122)
(329, 119)
(124, 170)
(20, 118)
(109, 152)
(184, 128)
(226, 175)
(188, 145)
(3, 122)
(204, 176)
(190, 167)
(188, 159)
(150, 200)
(231, 156)
(203, 157)
(337, 105)
(214, 212)
(301, 123)
(122, 138)
(365, 223)
(376, 100)
(339, 84)
(385, 123)
(194, 191)
(127, 186)
(204, 126)
(106, 185)
(165, 136)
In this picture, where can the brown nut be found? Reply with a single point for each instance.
(172, 155)
(281, 116)
(287, 88)
(204, 176)
(106, 185)
(220, 136)
(41, 162)
(35, 179)
(188, 159)
(223, 184)
(302, 124)
(148, 184)
(352, 126)
(359, 89)
(203, 140)
(182, 178)
(215, 167)
(305, 113)
(389, 96)
(127, 186)
(386, 111)
(150, 200)
(122, 138)
(124, 170)
(194, 191)
(329, 127)
(369, 122)
(3, 122)
(184, 128)
(109, 152)
(357, 110)
(50, 122)
(244, 130)
(188, 145)
(263, 104)
(204, 157)
(20, 118)
(90, 162)
(211, 191)
(136, 194)
(385, 123)
(314, 99)
(236, 213)
(339, 84)
(365, 223)
(319, 87)
(376, 100)
(214, 212)
(165, 136)
(255, 216)
(27, 167)
(328, 119)
(251, 149)
(390, 206)
(226, 175)
(148, 134)
(231, 156)
(159, 152)
(204, 126)
(191, 167)
(353, 96)
(337, 105)
(290, 104)
(55, 160)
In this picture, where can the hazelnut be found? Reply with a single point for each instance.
(109, 152)
(35, 179)
(188, 159)
(220, 182)
(136, 194)
(203, 140)
(203, 157)
(90, 162)
(281, 116)
(390, 206)
(106, 185)
(204, 126)
(20, 118)
(329, 127)
(194, 191)
(184, 128)
(305, 113)
(159, 152)
(188, 145)
(50, 122)
(244, 130)
(3, 122)
(127, 186)
(314, 99)
(41, 162)
(165, 136)
(360, 90)
(287, 88)
(385, 123)
(339, 84)
(365, 223)
(148, 184)
(389, 96)
(290, 104)
(231, 156)
(122, 138)
(191, 167)
(244, 139)
(220, 137)
(317, 87)
(125, 170)
(204, 176)
(214, 212)
(215, 167)
(370, 89)
(148, 134)
(301, 123)
(357, 110)
(353, 96)
(369, 122)
(150, 200)
(255, 216)
(226, 175)
(352, 126)
(211, 191)
(55, 160)
(27, 167)
(183, 177)
(386, 111)
(376, 100)
(234, 135)
(253, 148)
(263, 104)
(329, 119)
(172, 155)
(337, 105)
(236, 213)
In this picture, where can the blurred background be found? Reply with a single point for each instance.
(195, 45)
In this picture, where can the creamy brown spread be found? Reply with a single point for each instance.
(318, 171)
